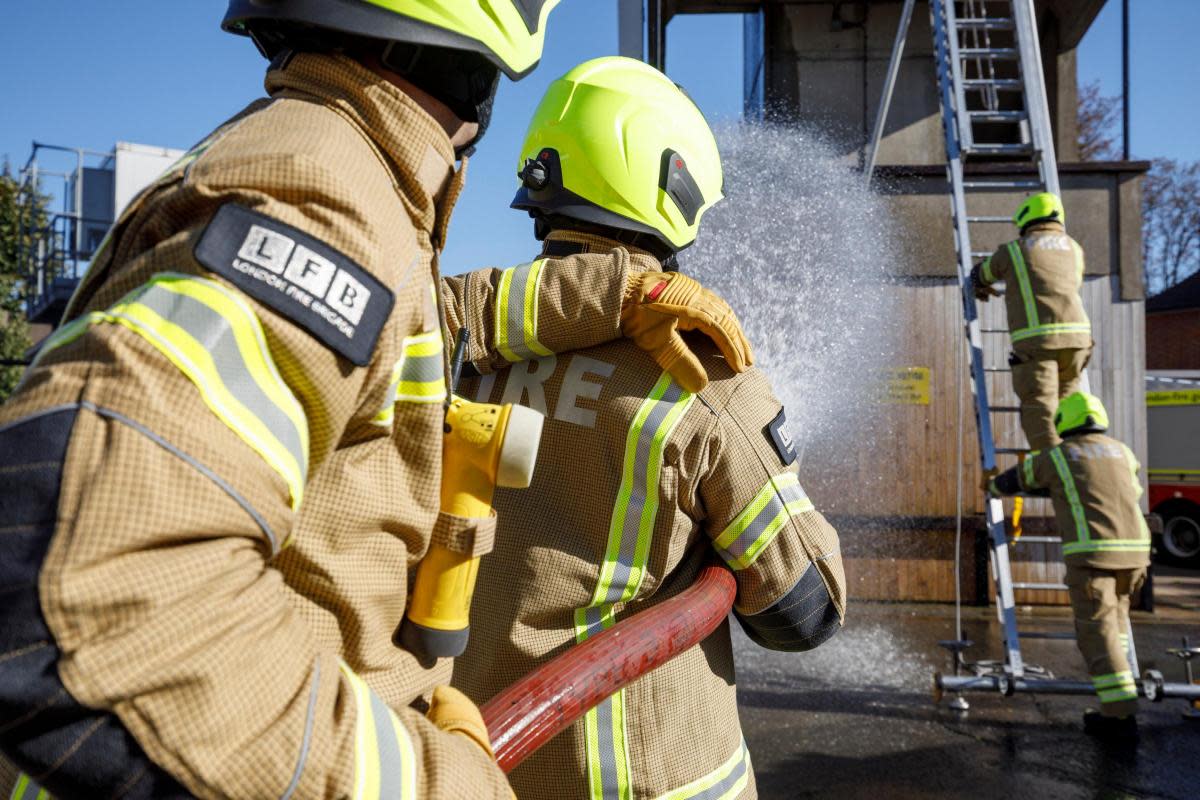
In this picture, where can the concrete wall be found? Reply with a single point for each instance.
(1103, 203)
(826, 63)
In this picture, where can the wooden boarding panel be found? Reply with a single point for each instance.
(916, 563)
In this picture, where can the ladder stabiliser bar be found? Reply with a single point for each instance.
(1151, 686)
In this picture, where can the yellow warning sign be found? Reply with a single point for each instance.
(905, 386)
(1189, 397)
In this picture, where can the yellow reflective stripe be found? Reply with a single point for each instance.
(26, 789)
(1077, 513)
(1112, 679)
(1027, 471)
(724, 783)
(213, 336)
(384, 759)
(422, 375)
(418, 377)
(1050, 328)
(986, 271)
(1117, 694)
(606, 743)
(758, 523)
(632, 520)
(630, 529)
(1022, 273)
(1107, 545)
(516, 312)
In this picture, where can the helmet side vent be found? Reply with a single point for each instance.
(680, 186)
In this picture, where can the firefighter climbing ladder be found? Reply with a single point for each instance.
(994, 107)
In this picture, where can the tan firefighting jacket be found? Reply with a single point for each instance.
(1043, 271)
(638, 484)
(1093, 484)
(214, 481)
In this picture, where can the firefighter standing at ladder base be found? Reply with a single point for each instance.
(640, 479)
(1092, 481)
(218, 474)
(1051, 334)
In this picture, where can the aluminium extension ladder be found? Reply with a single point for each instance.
(994, 108)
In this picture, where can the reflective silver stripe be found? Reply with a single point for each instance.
(215, 333)
(306, 742)
(26, 789)
(607, 750)
(623, 569)
(391, 762)
(193, 463)
(724, 783)
(786, 495)
(516, 313)
(422, 369)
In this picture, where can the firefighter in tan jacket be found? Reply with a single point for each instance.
(1050, 332)
(214, 480)
(1092, 481)
(639, 482)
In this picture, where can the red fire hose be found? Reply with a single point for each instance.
(533, 710)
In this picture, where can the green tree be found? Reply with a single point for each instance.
(14, 330)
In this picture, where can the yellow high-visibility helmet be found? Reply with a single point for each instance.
(508, 33)
(1038, 208)
(615, 143)
(1080, 412)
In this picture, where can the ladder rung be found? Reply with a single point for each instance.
(1004, 409)
(1007, 220)
(1013, 84)
(1039, 540)
(994, 330)
(1039, 635)
(1000, 149)
(997, 369)
(986, 24)
(1012, 451)
(1003, 184)
(1049, 587)
(980, 253)
(997, 116)
(1007, 53)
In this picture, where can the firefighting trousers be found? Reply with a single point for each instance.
(1100, 601)
(1040, 379)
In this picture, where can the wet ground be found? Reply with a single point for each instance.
(855, 718)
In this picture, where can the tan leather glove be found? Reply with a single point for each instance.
(452, 711)
(985, 480)
(658, 305)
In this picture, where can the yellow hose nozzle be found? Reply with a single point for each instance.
(484, 446)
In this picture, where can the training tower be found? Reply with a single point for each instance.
(826, 62)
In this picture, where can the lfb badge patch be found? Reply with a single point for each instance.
(301, 277)
(780, 436)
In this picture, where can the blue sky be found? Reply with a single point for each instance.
(88, 74)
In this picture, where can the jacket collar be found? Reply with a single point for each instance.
(414, 147)
(591, 243)
(1044, 226)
